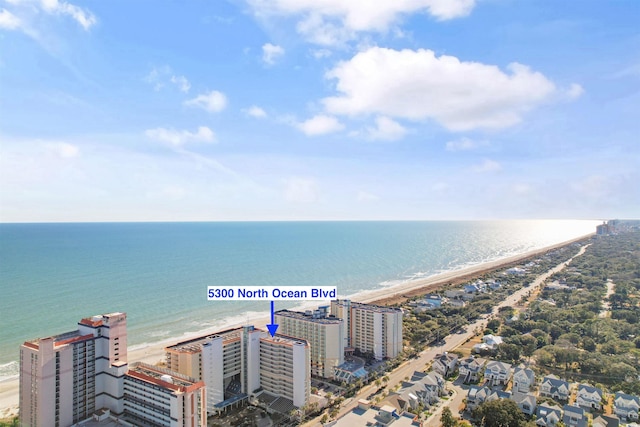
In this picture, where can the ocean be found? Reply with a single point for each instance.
(52, 275)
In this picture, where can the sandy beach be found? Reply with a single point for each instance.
(154, 353)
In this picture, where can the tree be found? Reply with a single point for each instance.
(447, 419)
(499, 413)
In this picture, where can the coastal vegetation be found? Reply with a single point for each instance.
(428, 327)
(574, 330)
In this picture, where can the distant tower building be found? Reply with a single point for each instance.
(65, 378)
(603, 229)
(371, 328)
(324, 333)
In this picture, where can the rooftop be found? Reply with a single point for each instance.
(370, 307)
(193, 345)
(162, 377)
(329, 320)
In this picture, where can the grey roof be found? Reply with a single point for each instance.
(544, 410)
(555, 381)
(627, 398)
(589, 389)
(473, 364)
(606, 421)
(528, 372)
(519, 398)
(500, 365)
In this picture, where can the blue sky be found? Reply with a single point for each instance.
(319, 110)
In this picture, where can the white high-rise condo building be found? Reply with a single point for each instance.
(324, 333)
(159, 397)
(370, 328)
(237, 363)
(65, 378)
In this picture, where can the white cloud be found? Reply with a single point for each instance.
(8, 20)
(386, 129)
(320, 125)
(271, 52)
(487, 165)
(332, 21)
(418, 85)
(632, 70)
(321, 53)
(64, 150)
(212, 102)
(255, 111)
(575, 91)
(364, 196)
(160, 76)
(463, 144)
(182, 83)
(178, 138)
(301, 190)
(85, 18)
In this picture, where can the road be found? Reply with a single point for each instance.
(606, 305)
(451, 342)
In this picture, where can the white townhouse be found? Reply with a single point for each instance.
(471, 368)
(478, 395)
(525, 401)
(445, 363)
(554, 388)
(589, 397)
(425, 389)
(548, 415)
(523, 379)
(574, 416)
(497, 373)
(626, 406)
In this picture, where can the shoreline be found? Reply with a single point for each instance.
(154, 352)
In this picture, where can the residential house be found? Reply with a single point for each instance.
(626, 406)
(525, 401)
(497, 373)
(523, 379)
(422, 389)
(456, 303)
(434, 299)
(454, 293)
(606, 421)
(548, 415)
(517, 271)
(589, 397)
(555, 388)
(478, 395)
(489, 343)
(445, 364)
(472, 288)
(494, 285)
(574, 416)
(471, 368)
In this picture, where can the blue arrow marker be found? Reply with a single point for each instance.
(272, 327)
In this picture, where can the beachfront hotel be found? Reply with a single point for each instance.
(324, 333)
(370, 328)
(237, 362)
(65, 378)
(159, 397)
(285, 368)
